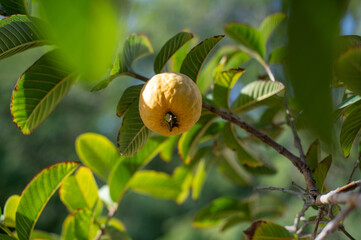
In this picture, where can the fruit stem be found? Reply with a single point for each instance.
(171, 120)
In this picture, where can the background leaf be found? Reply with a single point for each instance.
(169, 48)
(198, 179)
(11, 206)
(270, 23)
(349, 131)
(256, 94)
(313, 155)
(196, 57)
(133, 134)
(17, 34)
(252, 40)
(79, 191)
(97, 153)
(124, 170)
(167, 152)
(320, 173)
(39, 90)
(83, 225)
(223, 84)
(15, 6)
(156, 184)
(130, 95)
(267, 230)
(37, 194)
(278, 55)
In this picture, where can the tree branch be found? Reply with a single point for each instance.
(281, 190)
(354, 168)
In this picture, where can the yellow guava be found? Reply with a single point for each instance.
(170, 103)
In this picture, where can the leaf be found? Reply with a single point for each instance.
(196, 57)
(347, 42)
(124, 170)
(133, 134)
(178, 57)
(10, 210)
(130, 95)
(67, 231)
(223, 84)
(39, 90)
(261, 230)
(198, 179)
(37, 194)
(167, 152)
(265, 169)
(313, 155)
(320, 173)
(83, 224)
(188, 143)
(136, 46)
(231, 140)
(41, 235)
(267, 207)
(350, 131)
(97, 153)
(278, 55)
(169, 48)
(115, 229)
(156, 184)
(270, 23)
(79, 191)
(258, 93)
(349, 101)
(104, 195)
(15, 6)
(6, 237)
(221, 209)
(17, 34)
(348, 69)
(252, 40)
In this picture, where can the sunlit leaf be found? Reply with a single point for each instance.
(97, 153)
(88, 35)
(130, 95)
(169, 48)
(313, 155)
(10, 210)
(235, 174)
(195, 58)
(349, 131)
(198, 179)
(252, 40)
(124, 170)
(167, 152)
(156, 184)
(320, 173)
(83, 224)
(133, 134)
(37, 194)
(67, 231)
(188, 143)
(17, 34)
(79, 190)
(261, 230)
(41, 235)
(221, 209)
(258, 93)
(270, 23)
(39, 90)
(15, 6)
(178, 57)
(223, 84)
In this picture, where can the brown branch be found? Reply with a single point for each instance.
(354, 168)
(296, 161)
(318, 219)
(281, 190)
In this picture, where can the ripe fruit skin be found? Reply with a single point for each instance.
(170, 103)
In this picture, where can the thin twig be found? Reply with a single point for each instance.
(298, 186)
(297, 220)
(342, 229)
(355, 166)
(101, 232)
(281, 190)
(318, 219)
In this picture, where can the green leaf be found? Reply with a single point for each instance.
(115, 229)
(130, 95)
(6, 237)
(87, 37)
(167, 152)
(221, 209)
(12, 7)
(79, 191)
(104, 195)
(97, 153)
(278, 55)
(349, 131)
(262, 230)
(231, 140)
(39, 90)
(156, 184)
(133, 134)
(189, 141)
(67, 231)
(223, 84)
(347, 42)
(136, 46)
(17, 34)
(198, 179)
(169, 48)
(83, 224)
(124, 170)
(178, 57)
(313, 155)
(236, 175)
(195, 58)
(320, 173)
(41, 235)
(348, 69)
(270, 23)
(252, 40)
(37, 194)
(10, 210)
(258, 93)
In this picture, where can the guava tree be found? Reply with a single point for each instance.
(318, 66)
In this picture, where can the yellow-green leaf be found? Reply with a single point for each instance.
(262, 230)
(11, 206)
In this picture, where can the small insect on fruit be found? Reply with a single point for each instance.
(170, 103)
